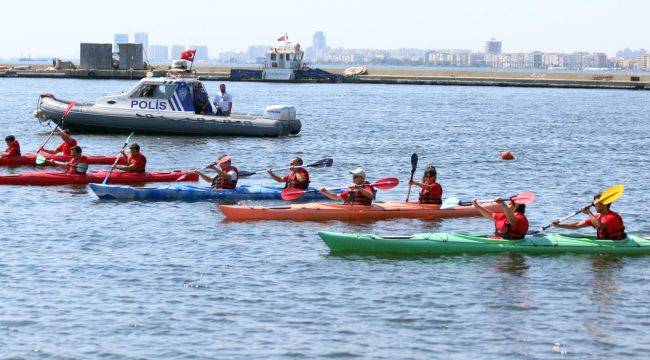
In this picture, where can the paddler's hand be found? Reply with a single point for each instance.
(474, 202)
(554, 223)
(498, 200)
(412, 182)
(270, 171)
(323, 190)
(585, 210)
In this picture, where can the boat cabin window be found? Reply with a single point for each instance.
(288, 56)
(153, 91)
(273, 57)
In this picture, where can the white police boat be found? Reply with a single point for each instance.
(164, 105)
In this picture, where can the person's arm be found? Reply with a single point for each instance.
(571, 225)
(483, 211)
(57, 163)
(365, 192)
(274, 176)
(204, 176)
(330, 195)
(419, 184)
(510, 215)
(47, 151)
(594, 221)
(230, 105)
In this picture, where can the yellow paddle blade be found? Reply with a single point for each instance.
(610, 194)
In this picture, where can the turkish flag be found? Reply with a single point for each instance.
(188, 55)
(284, 37)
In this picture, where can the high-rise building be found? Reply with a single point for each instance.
(142, 38)
(158, 53)
(319, 41)
(493, 47)
(201, 52)
(119, 39)
(176, 51)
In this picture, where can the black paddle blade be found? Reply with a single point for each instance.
(322, 163)
(245, 173)
(414, 162)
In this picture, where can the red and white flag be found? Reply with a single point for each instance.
(188, 55)
(284, 37)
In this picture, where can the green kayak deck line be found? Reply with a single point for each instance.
(460, 243)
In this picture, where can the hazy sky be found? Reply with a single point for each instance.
(523, 25)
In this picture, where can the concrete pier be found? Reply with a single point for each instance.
(393, 76)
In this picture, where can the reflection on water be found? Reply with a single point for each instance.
(514, 264)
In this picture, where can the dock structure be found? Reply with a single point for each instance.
(379, 76)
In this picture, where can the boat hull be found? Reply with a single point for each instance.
(117, 177)
(30, 159)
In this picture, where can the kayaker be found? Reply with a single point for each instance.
(135, 162)
(77, 165)
(298, 178)
(13, 147)
(608, 224)
(430, 190)
(360, 193)
(223, 103)
(512, 224)
(227, 175)
(65, 147)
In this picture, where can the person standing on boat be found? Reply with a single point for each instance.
(223, 102)
(65, 147)
(512, 224)
(78, 165)
(430, 190)
(360, 193)
(608, 224)
(227, 175)
(201, 102)
(135, 162)
(13, 147)
(298, 178)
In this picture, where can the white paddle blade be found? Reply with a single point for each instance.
(40, 159)
(449, 203)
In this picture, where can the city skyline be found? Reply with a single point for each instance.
(548, 26)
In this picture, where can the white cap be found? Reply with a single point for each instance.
(358, 172)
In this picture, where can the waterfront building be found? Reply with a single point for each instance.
(534, 60)
(643, 62)
(158, 53)
(493, 47)
(600, 60)
(131, 56)
(95, 56)
(119, 39)
(176, 51)
(319, 41)
(201, 52)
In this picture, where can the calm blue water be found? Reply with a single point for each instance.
(88, 279)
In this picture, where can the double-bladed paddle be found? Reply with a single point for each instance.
(220, 161)
(56, 126)
(414, 166)
(40, 160)
(126, 142)
(608, 196)
(524, 197)
(318, 164)
(294, 194)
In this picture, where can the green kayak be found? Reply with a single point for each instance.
(458, 243)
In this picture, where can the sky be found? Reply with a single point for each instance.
(43, 29)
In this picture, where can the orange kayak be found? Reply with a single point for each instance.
(325, 211)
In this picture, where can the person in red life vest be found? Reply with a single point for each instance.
(78, 165)
(512, 224)
(227, 175)
(608, 224)
(430, 190)
(13, 147)
(360, 193)
(298, 178)
(65, 147)
(135, 162)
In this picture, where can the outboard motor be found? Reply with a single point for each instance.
(280, 112)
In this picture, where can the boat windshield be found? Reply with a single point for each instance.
(154, 91)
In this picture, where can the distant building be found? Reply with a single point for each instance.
(643, 62)
(142, 38)
(535, 60)
(493, 47)
(319, 41)
(255, 52)
(118, 39)
(96, 56)
(600, 60)
(201, 52)
(131, 57)
(176, 51)
(158, 53)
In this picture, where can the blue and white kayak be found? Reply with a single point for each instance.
(180, 192)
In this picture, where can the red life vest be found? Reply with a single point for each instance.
(66, 147)
(223, 182)
(613, 228)
(13, 149)
(292, 183)
(139, 161)
(72, 165)
(354, 196)
(507, 231)
(432, 196)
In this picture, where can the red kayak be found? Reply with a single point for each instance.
(117, 177)
(30, 159)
